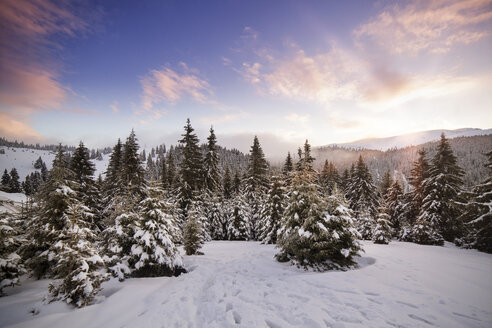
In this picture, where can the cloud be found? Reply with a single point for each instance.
(28, 74)
(432, 26)
(296, 118)
(15, 128)
(168, 86)
(114, 107)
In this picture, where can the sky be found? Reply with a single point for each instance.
(326, 71)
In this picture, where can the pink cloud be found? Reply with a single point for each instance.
(432, 26)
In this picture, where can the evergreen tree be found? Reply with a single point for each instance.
(171, 169)
(382, 229)
(211, 164)
(316, 233)
(385, 184)
(257, 180)
(288, 165)
(164, 174)
(362, 190)
(11, 266)
(38, 164)
(114, 182)
(153, 252)
(6, 179)
(237, 228)
(61, 241)
(272, 213)
(394, 203)
(227, 188)
(193, 233)
(133, 174)
(440, 207)
(478, 214)
(14, 184)
(236, 183)
(190, 167)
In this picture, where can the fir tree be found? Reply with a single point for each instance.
(236, 183)
(61, 240)
(227, 188)
(316, 234)
(164, 174)
(386, 181)
(477, 217)
(190, 167)
(211, 164)
(394, 204)
(11, 266)
(272, 213)
(257, 180)
(171, 170)
(288, 165)
(14, 184)
(132, 172)
(6, 179)
(382, 229)
(193, 233)
(440, 207)
(237, 228)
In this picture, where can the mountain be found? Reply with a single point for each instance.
(411, 139)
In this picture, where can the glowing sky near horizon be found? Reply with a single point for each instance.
(328, 71)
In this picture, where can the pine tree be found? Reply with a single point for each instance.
(153, 252)
(477, 217)
(14, 184)
(11, 266)
(193, 233)
(440, 207)
(386, 181)
(227, 188)
(316, 233)
(363, 198)
(382, 229)
(272, 213)
(191, 169)
(61, 239)
(164, 174)
(38, 163)
(211, 165)
(394, 204)
(6, 179)
(237, 228)
(288, 165)
(236, 183)
(171, 170)
(132, 172)
(257, 180)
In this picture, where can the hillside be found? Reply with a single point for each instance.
(411, 139)
(469, 150)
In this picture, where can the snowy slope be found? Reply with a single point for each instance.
(411, 139)
(239, 284)
(11, 203)
(23, 160)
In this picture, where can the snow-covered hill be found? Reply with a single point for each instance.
(239, 284)
(23, 160)
(411, 139)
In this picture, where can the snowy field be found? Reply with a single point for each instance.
(23, 160)
(239, 284)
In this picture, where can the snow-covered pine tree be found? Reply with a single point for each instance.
(61, 240)
(193, 232)
(256, 184)
(87, 191)
(288, 165)
(191, 168)
(272, 213)
(477, 217)
(412, 201)
(227, 187)
(132, 172)
(153, 252)
(315, 234)
(163, 176)
(171, 170)
(382, 229)
(385, 184)
(14, 184)
(237, 227)
(211, 170)
(440, 207)
(394, 203)
(5, 180)
(11, 266)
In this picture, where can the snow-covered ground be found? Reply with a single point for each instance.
(23, 160)
(239, 284)
(11, 202)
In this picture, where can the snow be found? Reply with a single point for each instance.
(23, 160)
(240, 284)
(11, 203)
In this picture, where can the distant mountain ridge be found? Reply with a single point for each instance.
(411, 139)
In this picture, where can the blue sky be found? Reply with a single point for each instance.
(328, 71)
